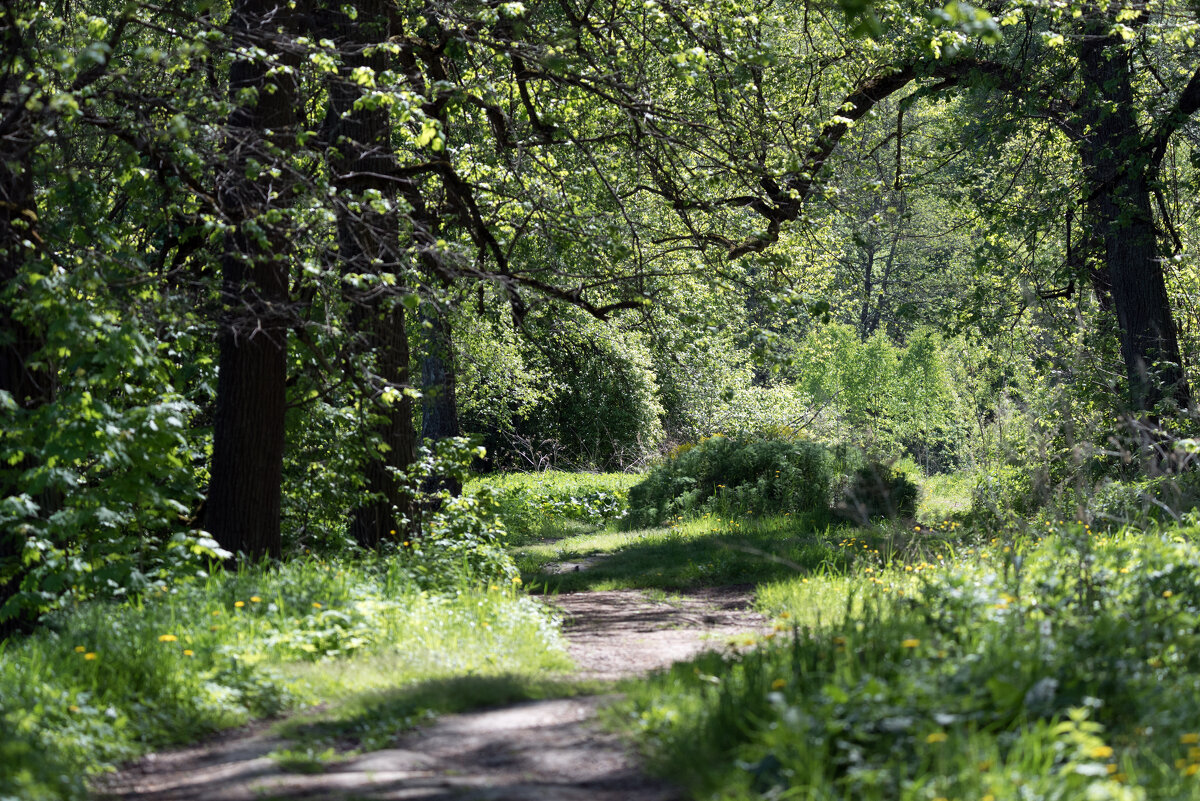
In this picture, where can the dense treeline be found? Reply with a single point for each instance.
(253, 254)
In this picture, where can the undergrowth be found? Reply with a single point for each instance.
(538, 505)
(102, 683)
(1057, 669)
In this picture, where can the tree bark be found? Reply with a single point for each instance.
(439, 380)
(243, 507)
(369, 243)
(1117, 175)
(439, 404)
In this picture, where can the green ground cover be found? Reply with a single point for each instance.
(705, 551)
(1056, 668)
(104, 683)
(908, 661)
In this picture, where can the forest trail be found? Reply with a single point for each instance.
(547, 750)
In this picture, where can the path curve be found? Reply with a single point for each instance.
(544, 750)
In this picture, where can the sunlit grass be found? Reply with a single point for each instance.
(1061, 665)
(945, 495)
(702, 551)
(105, 682)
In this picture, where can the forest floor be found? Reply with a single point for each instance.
(551, 750)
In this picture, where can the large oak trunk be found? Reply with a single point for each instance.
(243, 507)
(1116, 173)
(369, 243)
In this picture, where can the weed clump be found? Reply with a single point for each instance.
(736, 476)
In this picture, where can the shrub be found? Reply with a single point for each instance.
(742, 476)
(1001, 491)
(877, 490)
(534, 505)
(1157, 499)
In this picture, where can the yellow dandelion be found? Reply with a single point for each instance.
(1191, 770)
(167, 638)
(1100, 752)
(73, 708)
(516, 580)
(90, 655)
(254, 599)
(936, 737)
(778, 684)
(1167, 593)
(910, 643)
(188, 652)
(79, 649)
(239, 604)
(1190, 739)
(316, 605)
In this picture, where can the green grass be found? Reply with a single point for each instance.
(946, 495)
(103, 683)
(713, 551)
(707, 551)
(1062, 669)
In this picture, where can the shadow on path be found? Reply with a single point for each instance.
(545, 750)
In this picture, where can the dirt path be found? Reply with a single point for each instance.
(543, 750)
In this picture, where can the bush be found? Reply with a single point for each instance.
(735, 476)
(1158, 499)
(1002, 491)
(877, 490)
(533, 505)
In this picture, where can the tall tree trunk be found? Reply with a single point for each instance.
(369, 242)
(243, 507)
(439, 380)
(439, 404)
(1116, 172)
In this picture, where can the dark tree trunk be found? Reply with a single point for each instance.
(243, 506)
(439, 399)
(369, 242)
(865, 328)
(1116, 171)
(439, 404)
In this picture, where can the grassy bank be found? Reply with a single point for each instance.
(103, 683)
(1064, 668)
